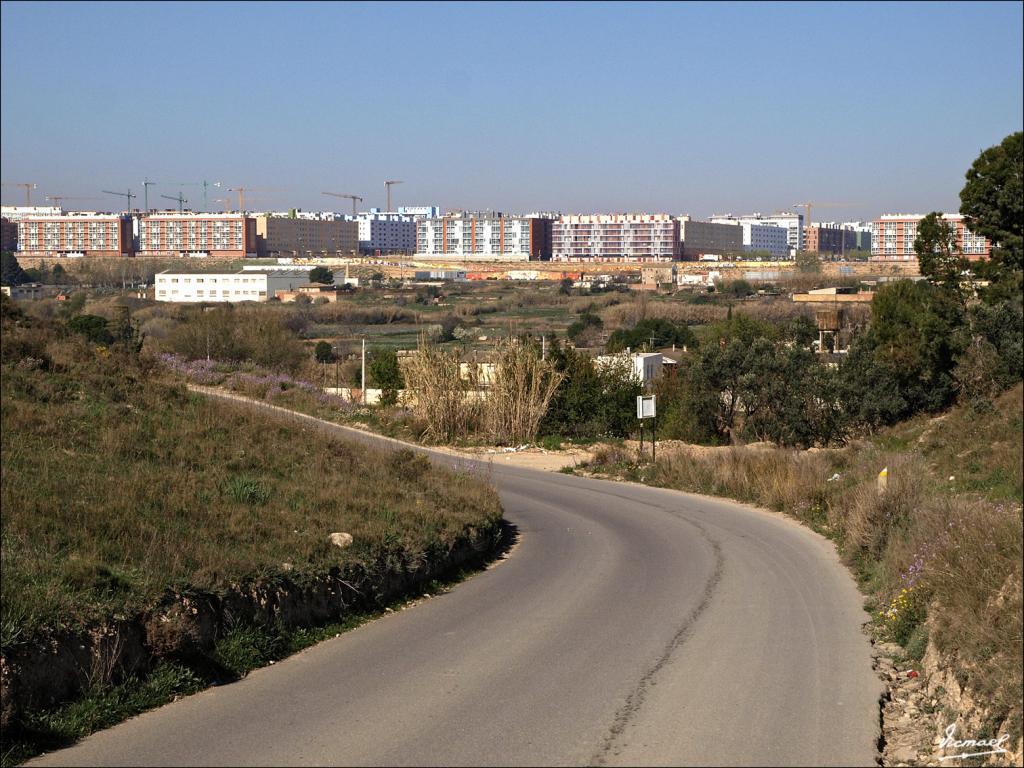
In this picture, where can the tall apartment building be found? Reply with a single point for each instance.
(485, 236)
(615, 237)
(761, 237)
(384, 232)
(861, 232)
(300, 236)
(893, 235)
(829, 238)
(76, 234)
(703, 237)
(793, 223)
(219, 235)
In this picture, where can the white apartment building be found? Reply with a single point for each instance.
(298, 213)
(18, 212)
(385, 232)
(766, 237)
(244, 285)
(484, 236)
(420, 211)
(760, 236)
(793, 223)
(615, 237)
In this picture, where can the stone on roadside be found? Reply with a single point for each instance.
(340, 539)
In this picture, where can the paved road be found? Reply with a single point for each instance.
(630, 626)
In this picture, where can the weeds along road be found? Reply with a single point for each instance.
(630, 626)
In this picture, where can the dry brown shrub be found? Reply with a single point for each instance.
(520, 393)
(973, 557)
(874, 519)
(441, 398)
(677, 312)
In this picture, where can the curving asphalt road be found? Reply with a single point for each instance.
(629, 626)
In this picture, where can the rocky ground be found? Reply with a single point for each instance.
(920, 702)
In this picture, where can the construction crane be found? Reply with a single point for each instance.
(387, 190)
(127, 194)
(27, 186)
(807, 217)
(146, 184)
(204, 184)
(807, 208)
(241, 194)
(353, 198)
(180, 200)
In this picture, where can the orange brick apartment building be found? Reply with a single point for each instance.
(218, 235)
(76, 234)
(893, 235)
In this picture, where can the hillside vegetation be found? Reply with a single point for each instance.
(118, 485)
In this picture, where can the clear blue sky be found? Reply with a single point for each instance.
(692, 108)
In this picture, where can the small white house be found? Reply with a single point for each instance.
(707, 279)
(645, 366)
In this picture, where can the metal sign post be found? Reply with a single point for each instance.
(645, 409)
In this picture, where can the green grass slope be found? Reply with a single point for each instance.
(117, 486)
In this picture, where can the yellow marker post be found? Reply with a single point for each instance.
(883, 480)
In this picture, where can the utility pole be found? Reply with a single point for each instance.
(363, 368)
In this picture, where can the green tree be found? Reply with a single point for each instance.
(903, 363)
(321, 275)
(386, 374)
(324, 352)
(938, 253)
(992, 203)
(565, 286)
(11, 272)
(808, 261)
(591, 401)
(738, 288)
(588, 320)
(761, 381)
(93, 327)
(661, 331)
(687, 407)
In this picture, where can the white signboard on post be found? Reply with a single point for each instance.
(645, 406)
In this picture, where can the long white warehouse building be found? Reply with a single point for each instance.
(244, 285)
